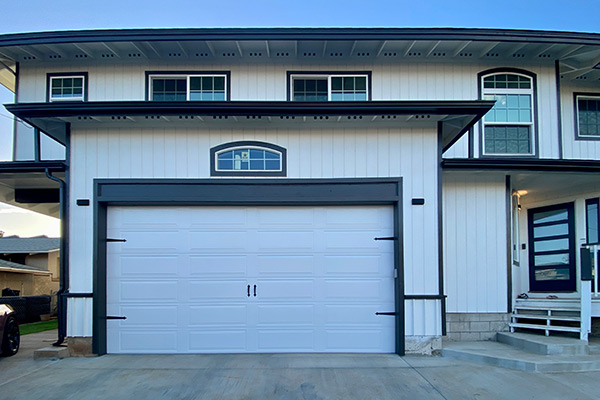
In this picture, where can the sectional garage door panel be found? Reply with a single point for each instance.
(250, 279)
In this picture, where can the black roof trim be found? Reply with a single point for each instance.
(513, 164)
(243, 108)
(32, 166)
(187, 34)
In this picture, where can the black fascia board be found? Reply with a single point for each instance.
(248, 108)
(514, 164)
(32, 166)
(351, 34)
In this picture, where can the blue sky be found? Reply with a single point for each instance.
(44, 15)
(35, 15)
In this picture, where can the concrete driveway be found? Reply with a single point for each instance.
(276, 376)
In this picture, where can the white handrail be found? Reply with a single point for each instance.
(595, 249)
(587, 290)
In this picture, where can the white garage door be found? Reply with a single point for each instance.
(250, 279)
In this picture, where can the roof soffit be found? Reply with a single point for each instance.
(578, 53)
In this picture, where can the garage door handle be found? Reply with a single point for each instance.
(254, 290)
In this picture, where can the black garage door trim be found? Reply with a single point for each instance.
(240, 192)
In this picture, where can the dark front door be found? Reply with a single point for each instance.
(552, 249)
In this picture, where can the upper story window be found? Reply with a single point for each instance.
(508, 128)
(248, 158)
(588, 116)
(319, 86)
(188, 87)
(67, 87)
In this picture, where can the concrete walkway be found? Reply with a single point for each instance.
(278, 376)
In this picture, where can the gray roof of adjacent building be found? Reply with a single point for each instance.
(8, 266)
(37, 244)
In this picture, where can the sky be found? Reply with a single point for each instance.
(41, 15)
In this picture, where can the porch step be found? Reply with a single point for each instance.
(546, 308)
(541, 327)
(547, 317)
(506, 356)
(543, 345)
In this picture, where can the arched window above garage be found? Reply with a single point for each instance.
(248, 158)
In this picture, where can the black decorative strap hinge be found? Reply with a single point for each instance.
(115, 317)
(385, 313)
(386, 238)
(116, 240)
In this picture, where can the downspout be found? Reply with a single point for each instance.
(64, 264)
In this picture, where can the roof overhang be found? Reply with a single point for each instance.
(19, 270)
(454, 118)
(195, 34)
(534, 179)
(578, 53)
(524, 165)
(25, 185)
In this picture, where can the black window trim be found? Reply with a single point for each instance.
(186, 74)
(576, 95)
(536, 133)
(250, 143)
(51, 75)
(290, 74)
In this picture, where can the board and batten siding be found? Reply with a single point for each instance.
(475, 249)
(390, 81)
(578, 149)
(311, 153)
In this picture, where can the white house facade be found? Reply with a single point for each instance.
(310, 190)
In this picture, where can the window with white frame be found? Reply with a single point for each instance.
(317, 87)
(66, 88)
(183, 87)
(248, 158)
(508, 128)
(588, 117)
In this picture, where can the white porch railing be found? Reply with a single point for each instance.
(588, 287)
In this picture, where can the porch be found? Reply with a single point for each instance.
(555, 246)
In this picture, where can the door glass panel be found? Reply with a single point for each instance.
(552, 274)
(551, 245)
(552, 259)
(551, 230)
(552, 252)
(550, 216)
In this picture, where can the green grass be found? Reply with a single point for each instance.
(35, 327)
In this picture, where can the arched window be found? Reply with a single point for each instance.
(508, 128)
(248, 158)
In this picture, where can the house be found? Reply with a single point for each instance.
(30, 265)
(310, 190)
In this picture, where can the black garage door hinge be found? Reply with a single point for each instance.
(116, 240)
(385, 313)
(115, 317)
(385, 238)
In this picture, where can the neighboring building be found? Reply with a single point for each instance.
(30, 265)
(309, 190)
(26, 280)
